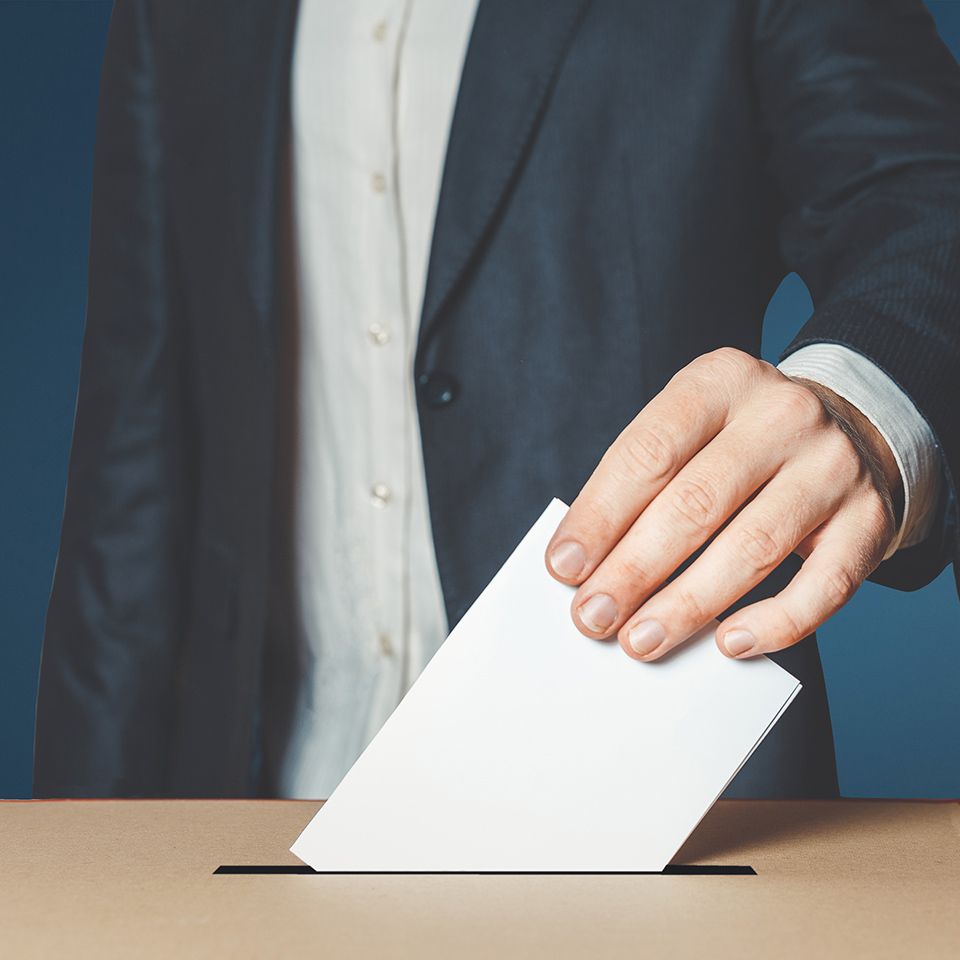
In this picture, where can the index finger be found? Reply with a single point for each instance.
(686, 415)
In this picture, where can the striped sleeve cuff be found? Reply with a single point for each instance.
(862, 383)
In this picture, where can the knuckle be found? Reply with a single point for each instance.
(870, 533)
(690, 608)
(726, 364)
(648, 453)
(597, 513)
(633, 572)
(837, 584)
(695, 503)
(789, 630)
(877, 514)
(842, 459)
(757, 548)
(728, 358)
(798, 406)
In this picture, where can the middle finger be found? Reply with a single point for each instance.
(677, 522)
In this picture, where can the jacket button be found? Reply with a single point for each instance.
(438, 389)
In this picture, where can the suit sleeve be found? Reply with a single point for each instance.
(105, 708)
(860, 101)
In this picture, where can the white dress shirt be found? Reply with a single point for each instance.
(374, 88)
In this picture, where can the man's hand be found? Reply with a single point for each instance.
(766, 466)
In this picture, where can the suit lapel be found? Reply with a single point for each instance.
(514, 53)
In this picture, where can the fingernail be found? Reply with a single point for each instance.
(738, 642)
(598, 613)
(568, 560)
(646, 636)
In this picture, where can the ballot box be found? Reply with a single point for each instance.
(197, 878)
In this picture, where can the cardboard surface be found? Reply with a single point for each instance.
(135, 878)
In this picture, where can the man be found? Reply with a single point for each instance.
(246, 580)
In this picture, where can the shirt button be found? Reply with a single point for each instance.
(379, 183)
(380, 31)
(386, 647)
(379, 333)
(380, 495)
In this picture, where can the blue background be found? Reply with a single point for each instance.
(892, 660)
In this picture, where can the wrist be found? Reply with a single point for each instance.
(874, 451)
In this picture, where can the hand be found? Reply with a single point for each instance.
(766, 466)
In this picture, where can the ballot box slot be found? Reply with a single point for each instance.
(672, 870)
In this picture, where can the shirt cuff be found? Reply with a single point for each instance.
(861, 382)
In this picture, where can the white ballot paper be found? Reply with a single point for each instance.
(525, 746)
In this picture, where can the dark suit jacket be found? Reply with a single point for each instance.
(627, 182)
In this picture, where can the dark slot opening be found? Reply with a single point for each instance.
(670, 870)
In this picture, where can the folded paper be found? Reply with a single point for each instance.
(525, 746)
